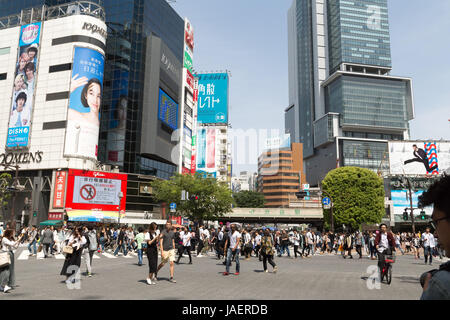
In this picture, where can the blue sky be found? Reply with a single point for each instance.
(249, 38)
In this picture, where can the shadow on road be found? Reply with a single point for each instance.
(408, 279)
(258, 271)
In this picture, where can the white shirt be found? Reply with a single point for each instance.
(296, 239)
(309, 237)
(77, 243)
(258, 240)
(206, 234)
(24, 118)
(220, 236)
(186, 237)
(8, 245)
(384, 243)
(428, 240)
(247, 238)
(234, 240)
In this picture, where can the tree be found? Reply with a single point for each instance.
(213, 198)
(5, 194)
(249, 199)
(358, 196)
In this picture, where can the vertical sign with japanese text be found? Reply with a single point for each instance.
(213, 98)
(60, 188)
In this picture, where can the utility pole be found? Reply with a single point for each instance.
(411, 205)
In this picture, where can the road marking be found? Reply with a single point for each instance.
(40, 255)
(110, 256)
(59, 256)
(24, 255)
(96, 256)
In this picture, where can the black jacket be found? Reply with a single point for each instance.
(420, 153)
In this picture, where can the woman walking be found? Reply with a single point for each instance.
(72, 263)
(267, 251)
(7, 274)
(152, 253)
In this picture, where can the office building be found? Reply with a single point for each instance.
(281, 174)
(343, 103)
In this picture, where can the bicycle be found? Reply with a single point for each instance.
(386, 271)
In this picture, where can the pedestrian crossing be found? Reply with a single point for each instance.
(24, 255)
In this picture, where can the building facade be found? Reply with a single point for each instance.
(344, 104)
(52, 62)
(281, 175)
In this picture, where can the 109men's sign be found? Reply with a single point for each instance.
(21, 158)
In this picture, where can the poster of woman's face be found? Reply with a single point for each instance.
(24, 84)
(83, 119)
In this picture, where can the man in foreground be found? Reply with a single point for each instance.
(436, 283)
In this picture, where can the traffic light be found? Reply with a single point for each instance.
(405, 215)
(423, 216)
(193, 197)
(34, 213)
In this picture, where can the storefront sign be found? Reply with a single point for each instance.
(21, 158)
(55, 216)
(95, 29)
(60, 188)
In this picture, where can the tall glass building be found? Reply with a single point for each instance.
(343, 103)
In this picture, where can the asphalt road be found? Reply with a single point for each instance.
(319, 277)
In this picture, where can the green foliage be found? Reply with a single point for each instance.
(358, 196)
(5, 195)
(249, 199)
(215, 198)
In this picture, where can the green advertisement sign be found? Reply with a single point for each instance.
(188, 61)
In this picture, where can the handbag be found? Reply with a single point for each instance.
(68, 249)
(5, 259)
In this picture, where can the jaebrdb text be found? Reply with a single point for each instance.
(228, 310)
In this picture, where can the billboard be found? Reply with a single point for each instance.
(83, 116)
(419, 157)
(206, 150)
(24, 84)
(278, 142)
(188, 45)
(60, 189)
(167, 110)
(213, 98)
(94, 195)
(400, 198)
(118, 117)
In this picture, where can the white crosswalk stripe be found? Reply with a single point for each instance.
(24, 255)
(108, 255)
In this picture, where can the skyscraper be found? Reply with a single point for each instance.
(343, 103)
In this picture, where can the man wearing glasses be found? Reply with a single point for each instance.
(436, 284)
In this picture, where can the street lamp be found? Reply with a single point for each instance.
(120, 195)
(13, 189)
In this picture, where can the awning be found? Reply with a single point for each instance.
(92, 215)
(51, 222)
(142, 221)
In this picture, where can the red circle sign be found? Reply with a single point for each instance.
(88, 192)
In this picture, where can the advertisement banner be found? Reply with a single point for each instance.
(118, 117)
(278, 142)
(83, 117)
(419, 157)
(400, 198)
(213, 98)
(60, 189)
(24, 84)
(94, 190)
(167, 110)
(188, 45)
(206, 151)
